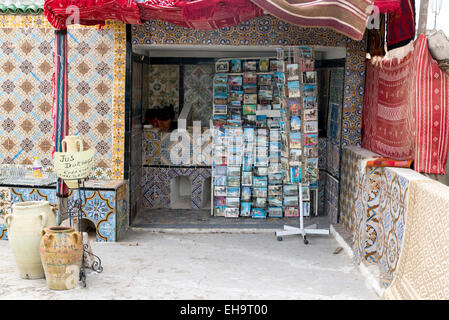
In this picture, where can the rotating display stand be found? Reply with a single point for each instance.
(75, 214)
(312, 229)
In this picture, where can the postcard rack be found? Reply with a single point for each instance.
(265, 136)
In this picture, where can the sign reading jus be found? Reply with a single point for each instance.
(73, 165)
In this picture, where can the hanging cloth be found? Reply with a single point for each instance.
(388, 6)
(401, 25)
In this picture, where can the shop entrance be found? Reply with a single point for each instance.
(172, 87)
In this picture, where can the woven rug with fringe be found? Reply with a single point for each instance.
(424, 259)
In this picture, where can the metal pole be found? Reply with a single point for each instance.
(423, 11)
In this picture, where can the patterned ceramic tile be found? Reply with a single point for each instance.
(198, 91)
(164, 86)
(156, 185)
(96, 82)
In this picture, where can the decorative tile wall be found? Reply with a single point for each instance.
(267, 30)
(5, 203)
(164, 86)
(350, 183)
(198, 91)
(379, 215)
(156, 185)
(96, 91)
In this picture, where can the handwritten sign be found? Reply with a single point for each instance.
(73, 165)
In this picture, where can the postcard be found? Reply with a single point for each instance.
(310, 126)
(263, 107)
(295, 174)
(260, 192)
(220, 109)
(275, 201)
(293, 89)
(292, 72)
(264, 79)
(278, 77)
(235, 66)
(310, 139)
(233, 181)
(309, 77)
(275, 178)
(233, 192)
(249, 78)
(295, 157)
(220, 180)
(294, 104)
(266, 95)
(295, 123)
(309, 90)
(275, 146)
(249, 109)
(290, 189)
(261, 171)
(261, 161)
(247, 178)
(260, 181)
(305, 193)
(246, 193)
(220, 171)
(307, 65)
(261, 202)
(250, 88)
(245, 209)
(310, 102)
(275, 135)
(276, 106)
(232, 202)
(249, 65)
(264, 65)
(233, 172)
(311, 151)
(234, 123)
(275, 190)
(221, 79)
(220, 88)
(258, 213)
(312, 173)
(311, 114)
(220, 211)
(232, 212)
(235, 81)
(290, 201)
(291, 212)
(275, 212)
(220, 191)
(250, 98)
(222, 66)
(236, 95)
(275, 167)
(219, 120)
(219, 201)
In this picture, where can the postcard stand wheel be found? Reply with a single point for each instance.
(312, 229)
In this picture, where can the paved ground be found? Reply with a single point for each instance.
(204, 266)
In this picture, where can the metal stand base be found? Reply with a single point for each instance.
(290, 231)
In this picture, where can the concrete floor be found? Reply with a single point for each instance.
(185, 265)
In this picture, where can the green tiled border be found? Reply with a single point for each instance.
(21, 9)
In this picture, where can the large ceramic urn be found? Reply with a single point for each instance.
(61, 251)
(25, 225)
(72, 144)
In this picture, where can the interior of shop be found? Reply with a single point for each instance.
(176, 89)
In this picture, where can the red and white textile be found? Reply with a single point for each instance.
(386, 119)
(431, 87)
(406, 107)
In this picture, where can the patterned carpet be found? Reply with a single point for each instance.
(181, 218)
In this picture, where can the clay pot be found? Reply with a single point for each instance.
(61, 251)
(25, 226)
(72, 144)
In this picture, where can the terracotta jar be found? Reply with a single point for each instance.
(61, 252)
(25, 225)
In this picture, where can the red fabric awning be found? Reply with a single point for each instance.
(197, 14)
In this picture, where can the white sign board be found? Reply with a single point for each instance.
(73, 165)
